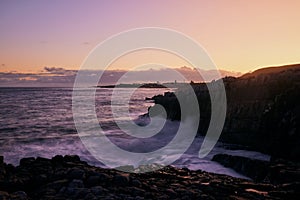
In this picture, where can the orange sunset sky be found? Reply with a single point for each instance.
(238, 35)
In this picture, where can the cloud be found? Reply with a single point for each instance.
(53, 69)
(61, 77)
(59, 71)
(50, 77)
(85, 43)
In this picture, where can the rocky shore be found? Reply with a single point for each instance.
(67, 177)
(263, 110)
(275, 171)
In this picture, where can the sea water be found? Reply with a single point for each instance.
(39, 122)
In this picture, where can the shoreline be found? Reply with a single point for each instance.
(67, 176)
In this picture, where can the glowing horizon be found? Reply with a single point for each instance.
(239, 36)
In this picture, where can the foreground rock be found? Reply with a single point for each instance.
(255, 169)
(70, 178)
(277, 171)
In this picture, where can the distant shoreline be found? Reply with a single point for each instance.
(140, 85)
(148, 85)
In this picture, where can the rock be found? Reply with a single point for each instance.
(1, 160)
(139, 198)
(27, 161)
(74, 193)
(171, 193)
(58, 159)
(71, 158)
(2, 169)
(98, 190)
(136, 191)
(19, 195)
(76, 184)
(48, 192)
(76, 174)
(59, 173)
(57, 185)
(104, 177)
(88, 182)
(4, 195)
(43, 160)
(263, 111)
(295, 186)
(126, 168)
(93, 181)
(70, 191)
(41, 178)
(121, 180)
(82, 193)
(255, 169)
(90, 196)
(283, 171)
(136, 183)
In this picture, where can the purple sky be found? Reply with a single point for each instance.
(238, 35)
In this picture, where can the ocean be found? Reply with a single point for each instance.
(39, 122)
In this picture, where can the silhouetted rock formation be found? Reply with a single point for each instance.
(263, 110)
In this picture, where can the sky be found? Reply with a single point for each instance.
(239, 36)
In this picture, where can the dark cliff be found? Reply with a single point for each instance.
(263, 111)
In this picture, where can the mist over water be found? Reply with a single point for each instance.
(39, 122)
